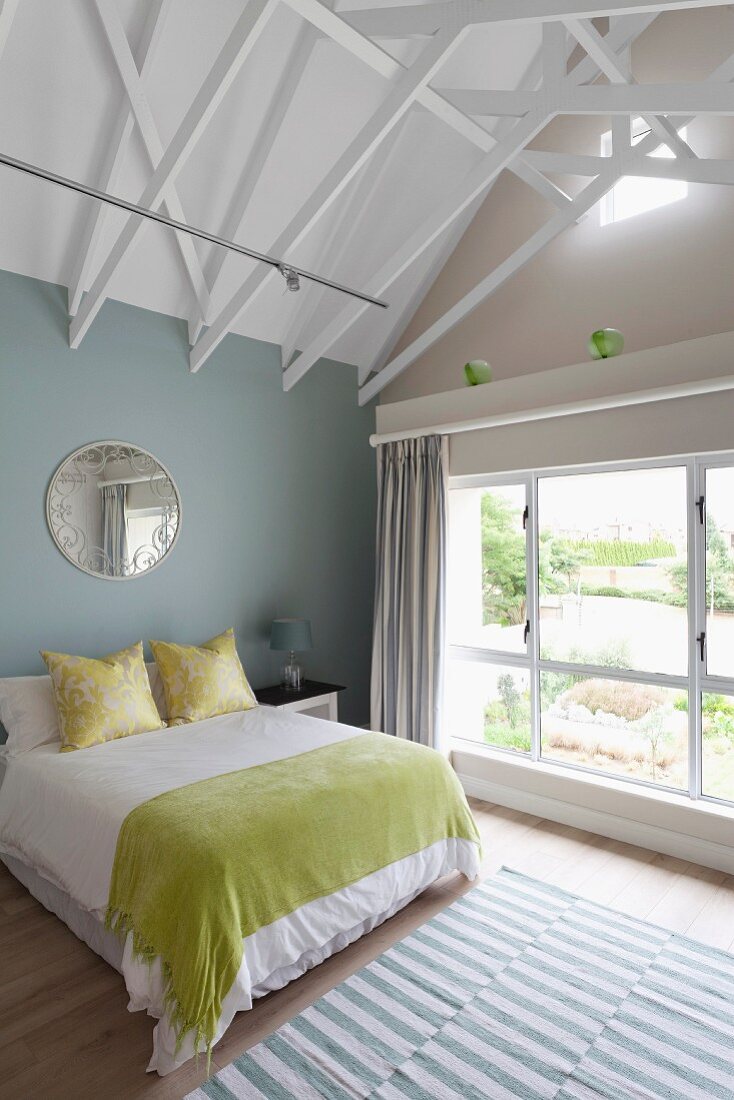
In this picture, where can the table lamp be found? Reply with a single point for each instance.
(291, 635)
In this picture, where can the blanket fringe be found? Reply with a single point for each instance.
(121, 925)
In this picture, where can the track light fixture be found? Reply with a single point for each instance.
(291, 276)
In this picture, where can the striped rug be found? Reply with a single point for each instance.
(516, 990)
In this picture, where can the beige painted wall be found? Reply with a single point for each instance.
(660, 277)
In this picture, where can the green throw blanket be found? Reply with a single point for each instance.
(201, 867)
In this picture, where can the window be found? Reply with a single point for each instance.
(591, 620)
(150, 532)
(488, 550)
(612, 557)
(638, 194)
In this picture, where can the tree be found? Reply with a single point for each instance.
(719, 566)
(655, 727)
(719, 570)
(510, 697)
(504, 588)
(503, 562)
(566, 559)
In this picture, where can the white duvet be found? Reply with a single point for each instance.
(61, 813)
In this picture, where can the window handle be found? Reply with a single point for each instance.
(525, 514)
(701, 505)
(701, 639)
(527, 631)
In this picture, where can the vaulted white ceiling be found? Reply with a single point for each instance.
(306, 97)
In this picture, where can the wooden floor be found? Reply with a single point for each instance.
(65, 1031)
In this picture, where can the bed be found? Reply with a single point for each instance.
(62, 818)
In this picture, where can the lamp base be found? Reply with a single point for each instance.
(291, 674)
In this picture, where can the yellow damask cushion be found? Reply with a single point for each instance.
(101, 700)
(201, 681)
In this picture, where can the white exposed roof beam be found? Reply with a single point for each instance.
(403, 316)
(493, 103)
(115, 155)
(411, 20)
(7, 15)
(403, 21)
(341, 238)
(474, 186)
(232, 56)
(322, 18)
(619, 36)
(257, 160)
(565, 164)
(592, 193)
(375, 130)
(704, 98)
(695, 171)
(135, 90)
(436, 103)
(618, 72)
(574, 164)
(584, 70)
(422, 238)
(529, 174)
(335, 27)
(509, 103)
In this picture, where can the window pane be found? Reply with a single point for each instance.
(720, 571)
(638, 194)
(613, 569)
(717, 723)
(487, 568)
(489, 703)
(634, 730)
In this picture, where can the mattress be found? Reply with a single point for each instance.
(60, 815)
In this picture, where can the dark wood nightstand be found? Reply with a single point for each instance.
(314, 696)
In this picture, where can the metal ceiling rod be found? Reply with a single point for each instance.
(288, 270)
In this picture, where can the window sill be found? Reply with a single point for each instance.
(588, 781)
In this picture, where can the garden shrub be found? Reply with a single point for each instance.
(589, 747)
(717, 704)
(649, 595)
(505, 737)
(721, 725)
(628, 701)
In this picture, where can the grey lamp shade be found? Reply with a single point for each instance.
(291, 634)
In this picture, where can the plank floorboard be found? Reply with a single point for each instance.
(64, 1026)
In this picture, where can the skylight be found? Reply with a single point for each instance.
(638, 194)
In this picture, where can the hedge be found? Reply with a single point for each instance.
(620, 552)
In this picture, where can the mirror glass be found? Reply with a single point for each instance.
(113, 510)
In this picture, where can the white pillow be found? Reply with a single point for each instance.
(28, 712)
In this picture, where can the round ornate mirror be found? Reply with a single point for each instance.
(113, 510)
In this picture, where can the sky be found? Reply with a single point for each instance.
(656, 497)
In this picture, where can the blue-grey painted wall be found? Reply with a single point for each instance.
(278, 492)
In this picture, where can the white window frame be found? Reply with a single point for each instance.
(696, 682)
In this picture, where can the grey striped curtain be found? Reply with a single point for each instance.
(114, 507)
(407, 648)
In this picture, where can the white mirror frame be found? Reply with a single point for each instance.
(50, 509)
